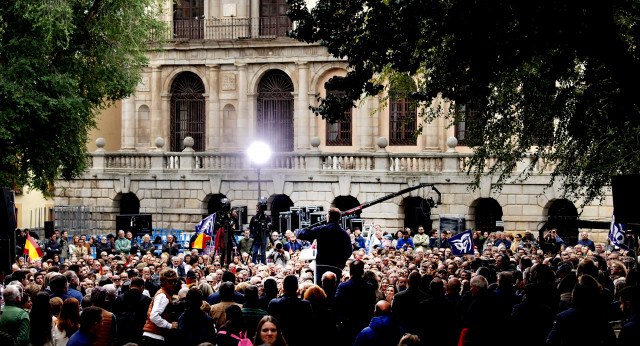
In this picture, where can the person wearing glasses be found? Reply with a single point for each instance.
(157, 316)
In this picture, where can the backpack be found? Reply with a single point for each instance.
(242, 339)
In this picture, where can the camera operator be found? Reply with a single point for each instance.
(278, 255)
(552, 242)
(225, 238)
(334, 245)
(260, 226)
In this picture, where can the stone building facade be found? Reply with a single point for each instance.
(229, 75)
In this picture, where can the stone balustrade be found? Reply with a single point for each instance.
(313, 160)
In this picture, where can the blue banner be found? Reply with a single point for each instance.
(462, 244)
(206, 226)
(617, 233)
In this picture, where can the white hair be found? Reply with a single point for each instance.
(479, 282)
(12, 294)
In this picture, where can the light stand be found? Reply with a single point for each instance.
(259, 153)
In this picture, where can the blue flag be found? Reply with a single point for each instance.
(616, 233)
(206, 226)
(462, 244)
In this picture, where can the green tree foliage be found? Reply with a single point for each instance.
(61, 62)
(552, 80)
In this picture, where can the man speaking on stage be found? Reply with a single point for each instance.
(333, 246)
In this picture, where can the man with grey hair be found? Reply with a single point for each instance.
(484, 310)
(15, 320)
(74, 282)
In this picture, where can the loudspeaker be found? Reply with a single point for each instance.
(284, 221)
(317, 217)
(451, 223)
(626, 190)
(353, 223)
(242, 214)
(7, 230)
(138, 224)
(7, 209)
(48, 229)
(5, 256)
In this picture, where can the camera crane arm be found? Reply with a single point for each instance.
(384, 198)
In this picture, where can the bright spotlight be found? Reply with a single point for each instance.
(259, 152)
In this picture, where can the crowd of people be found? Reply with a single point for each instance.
(399, 287)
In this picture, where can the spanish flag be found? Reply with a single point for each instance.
(32, 249)
(201, 241)
(204, 229)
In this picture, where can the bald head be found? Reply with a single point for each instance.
(383, 308)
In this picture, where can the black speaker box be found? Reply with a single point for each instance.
(138, 224)
(626, 190)
(7, 230)
(48, 229)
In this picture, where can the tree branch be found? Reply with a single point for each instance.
(92, 13)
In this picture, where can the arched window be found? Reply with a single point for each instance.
(144, 126)
(345, 203)
(278, 204)
(402, 121)
(339, 133)
(417, 212)
(187, 111)
(129, 204)
(488, 212)
(214, 205)
(563, 216)
(275, 111)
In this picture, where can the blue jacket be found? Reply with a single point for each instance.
(630, 332)
(400, 243)
(382, 330)
(79, 339)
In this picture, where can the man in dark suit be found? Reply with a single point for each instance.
(630, 302)
(355, 303)
(292, 312)
(404, 304)
(131, 310)
(334, 245)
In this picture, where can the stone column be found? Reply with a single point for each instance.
(301, 115)
(432, 133)
(243, 119)
(255, 18)
(164, 122)
(365, 125)
(156, 102)
(214, 120)
(252, 116)
(128, 132)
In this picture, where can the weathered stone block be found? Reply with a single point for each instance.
(163, 185)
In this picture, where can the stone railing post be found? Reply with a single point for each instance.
(157, 158)
(188, 155)
(314, 157)
(99, 159)
(451, 161)
(381, 156)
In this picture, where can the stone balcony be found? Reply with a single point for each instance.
(314, 160)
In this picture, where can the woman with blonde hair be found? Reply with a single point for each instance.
(68, 322)
(73, 244)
